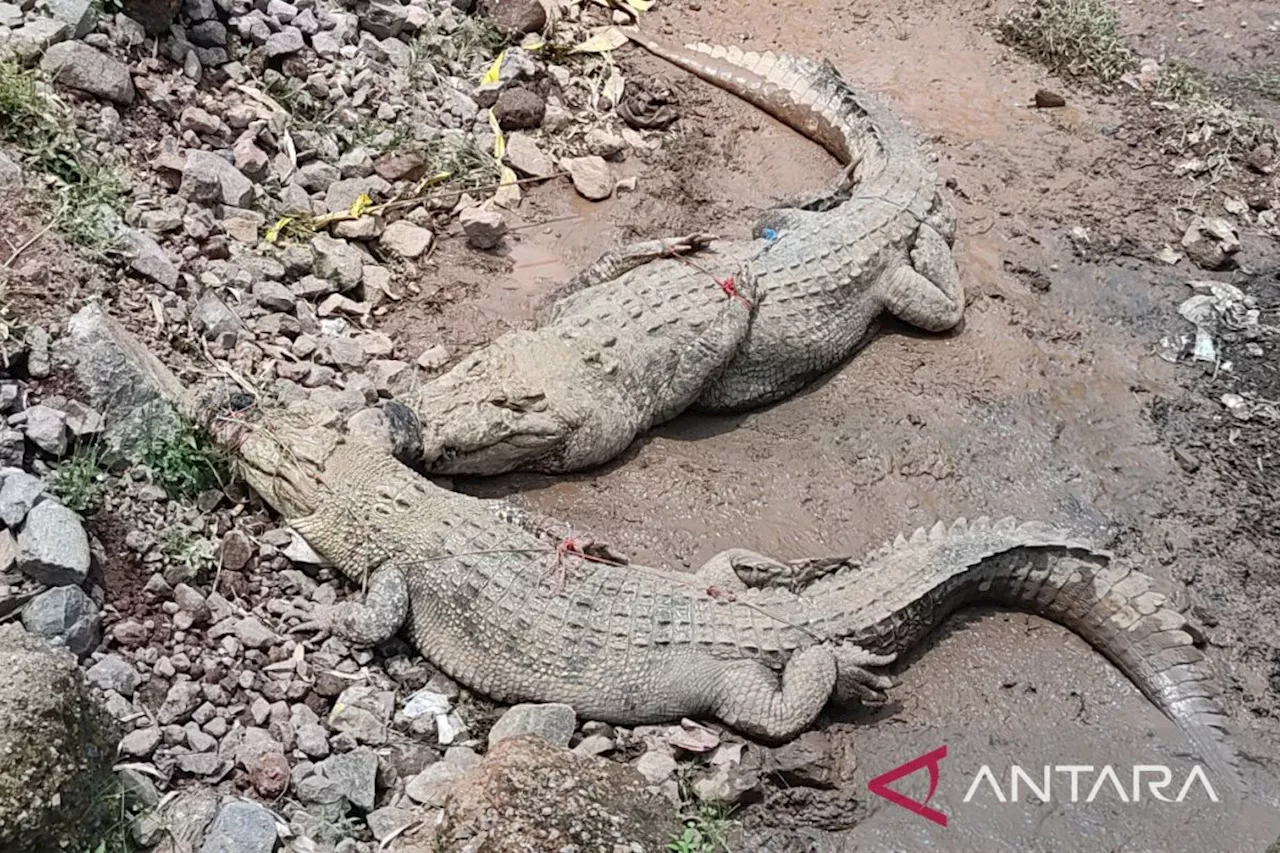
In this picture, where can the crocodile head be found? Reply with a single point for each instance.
(483, 423)
(284, 462)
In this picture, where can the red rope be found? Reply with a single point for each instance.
(728, 285)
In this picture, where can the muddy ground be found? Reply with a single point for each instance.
(1050, 402)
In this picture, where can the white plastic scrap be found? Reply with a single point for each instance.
(1216, 306)
(448, 725)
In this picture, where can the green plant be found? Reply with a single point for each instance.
(704, 831)
(182, 459)
(77, 482)
(183, 546)
(1075, 38)
(88, 194)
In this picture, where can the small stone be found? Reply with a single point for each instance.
(140, 743)
(114, 673)
(591, 176)
(47, 429)
(28, 42)
(273, 296)
(65, 614)
(406, 239)
(337, 260)
(386, 374)
(17, 496)
(355, 775)
(518, 108)
(371, 427)
(384, 19)
(53, 548)
(524, 155)
(79, 15)
(78, 65)
(146, 257)
(236, 550)
(553, 721)
(241, 827)
(82, 420)
(602, 143)
(209, 178)
(384, 821)
(284, 43)
(405, 166)
(484, 228)
(656, 766)
(253, 633)
(341, 195)
(251, 160)
(1211, 243)
(179, 703)
(433, 357)
(364, 713)
(313, 740)
(1046, 99)
(431, 787)
(515, 17)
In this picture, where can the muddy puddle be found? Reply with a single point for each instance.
(1039, 407)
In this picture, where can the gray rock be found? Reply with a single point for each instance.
(591, 176)
(253, 633)
(181, 700)
(354, 774)
(79, 15)
(59, 745)
(241, 827)
(82, 420)
(383, 822)
(53, 548)
(363, 712)
(342, 194)
(603, 143)
(325, 45)
(273, 295)
(406, 239)
(212, 315)
(28, 42)
(515, 17)
(10, 16)
(114, 673)
(208, 178)
(524, 155)
(140, 743)
(65, 614)
(47, 429)
(17, 496)
(124, 380)
(10, 172)
(146, 258)
(77, 65)
(384, 19)
(431, 787)
(317, 176)
(313, 740)
(337, 260)
(287, 41)
(433, 357)
(484, 228)
(553, 721)
(38, 341)
(656, 766)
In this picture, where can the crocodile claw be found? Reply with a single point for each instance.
(855, 679)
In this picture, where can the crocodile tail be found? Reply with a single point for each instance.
(808, 96)
(917, 582)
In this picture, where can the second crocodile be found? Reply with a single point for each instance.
(824, 270)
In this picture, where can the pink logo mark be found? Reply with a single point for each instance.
(880, 785)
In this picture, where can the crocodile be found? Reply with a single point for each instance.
(636, 351)
(824, 270)
(760, 645)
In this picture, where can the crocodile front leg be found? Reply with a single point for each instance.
(372, 621)
(927, 293)
(615, 262)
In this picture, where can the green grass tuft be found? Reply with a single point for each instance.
(704, 831)
(182, 459)
(77, 483)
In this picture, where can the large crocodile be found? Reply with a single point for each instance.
(509, 614)
(824, 271)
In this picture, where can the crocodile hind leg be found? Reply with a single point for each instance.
(751, 697)
(927, 294)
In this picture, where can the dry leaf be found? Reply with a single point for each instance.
(610, 38)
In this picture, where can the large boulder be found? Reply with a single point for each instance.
(58, 745)
(530, 795)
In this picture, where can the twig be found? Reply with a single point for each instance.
(27, 245)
